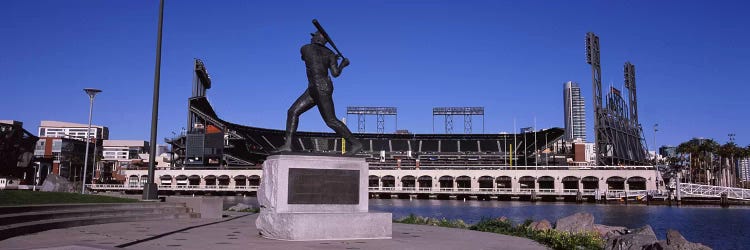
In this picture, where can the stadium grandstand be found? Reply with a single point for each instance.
(211, 142)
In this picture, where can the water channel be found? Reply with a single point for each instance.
(719, 228)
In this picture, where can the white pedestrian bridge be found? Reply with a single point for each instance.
(698, 190)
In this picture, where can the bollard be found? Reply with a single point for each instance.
(724, 200)
(669, 198)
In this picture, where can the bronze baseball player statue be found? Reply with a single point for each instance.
(319, 60)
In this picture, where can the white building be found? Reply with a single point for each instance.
(120, 155)
(123, 150)
(590, 153)
(62, 147)
(59, 129)
(744, 169)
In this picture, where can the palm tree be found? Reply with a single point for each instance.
(708, 149)
(701, 153)
(691, 149)
(688, 149)
(728, 164)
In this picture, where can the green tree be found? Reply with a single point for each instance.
(701, 153)
(688, 151)
(727, 163)
(708, 149)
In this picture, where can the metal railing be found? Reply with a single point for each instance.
(128, 187)
(698, 190)
(589, 191)
(571, 191)
(687, 189)
(496, 191)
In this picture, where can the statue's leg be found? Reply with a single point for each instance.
(328, 112)
(303, 103)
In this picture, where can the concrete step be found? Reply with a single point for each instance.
(14, 218)
(24, 228)
(83, 206)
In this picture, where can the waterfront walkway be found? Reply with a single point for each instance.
(238, 232)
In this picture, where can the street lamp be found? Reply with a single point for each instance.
(656, 128)
(92, 93)
(150, 190)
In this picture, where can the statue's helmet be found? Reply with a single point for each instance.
(318, 37)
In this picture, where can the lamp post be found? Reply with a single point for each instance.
(150, 190)
(656, 128)
(92, 93)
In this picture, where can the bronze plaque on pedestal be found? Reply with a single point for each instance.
(323, 186)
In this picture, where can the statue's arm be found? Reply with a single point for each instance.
(335, 67)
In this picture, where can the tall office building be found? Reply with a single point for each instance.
(744, 169)
(668, 151)
(575, 112)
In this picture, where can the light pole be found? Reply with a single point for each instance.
(92, 93)
(656, 128)
(150, 190)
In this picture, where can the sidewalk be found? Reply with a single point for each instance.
(238, 232)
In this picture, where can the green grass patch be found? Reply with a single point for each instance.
(26, 197)
(551, 238)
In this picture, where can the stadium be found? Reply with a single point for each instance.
(211, 142)
(216, 156)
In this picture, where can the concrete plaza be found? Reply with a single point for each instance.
(237, 231)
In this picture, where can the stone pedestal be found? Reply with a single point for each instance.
(313, 197)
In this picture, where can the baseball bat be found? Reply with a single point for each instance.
(323, 32)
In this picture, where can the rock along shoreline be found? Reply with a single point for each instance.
(617, 237)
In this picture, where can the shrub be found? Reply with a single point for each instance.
(551, 238)
(443, 222)
(250, 210)
(564, 240)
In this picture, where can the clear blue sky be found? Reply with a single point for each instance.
(511, 57)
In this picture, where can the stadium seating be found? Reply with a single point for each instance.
(253, 144)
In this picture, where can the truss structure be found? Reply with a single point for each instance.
(378, 112)
(698, 190)
(618, 134)
(208, 140)
(449, 112)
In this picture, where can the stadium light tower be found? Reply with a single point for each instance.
(379, 112)
(92, 93)
(449, 112)
(656, 147)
